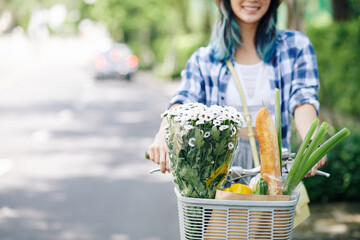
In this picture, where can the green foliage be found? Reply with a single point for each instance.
(201, 143)
(338, 57)
(344, 165)
(154, 29)
(201, 168)
(354, 8)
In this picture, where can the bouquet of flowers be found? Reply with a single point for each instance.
(201, 142)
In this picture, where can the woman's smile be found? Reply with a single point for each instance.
(249, 12)
(251, 9)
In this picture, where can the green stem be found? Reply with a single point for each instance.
(319, 136)
(319, 153)
(316, 156)
(278, 123)
(290, 178)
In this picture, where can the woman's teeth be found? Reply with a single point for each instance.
(251, 8)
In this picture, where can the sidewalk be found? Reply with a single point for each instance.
(165, 86)
(331, 221)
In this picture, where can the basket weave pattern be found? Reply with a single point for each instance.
(213, 219)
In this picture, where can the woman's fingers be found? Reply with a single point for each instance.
(312, 172)
(162, 158)
(151, 153)
(167, 163)
(159, 155)
(156, 156)
(320, 164)
(154, 153)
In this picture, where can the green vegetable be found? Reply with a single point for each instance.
(315, 142)
(305, 160)
(290, 180)
(261, 187)
(278, 123)
(324, 149)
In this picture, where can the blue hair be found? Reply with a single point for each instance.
(226, 35)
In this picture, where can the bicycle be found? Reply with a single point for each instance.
(229, 219)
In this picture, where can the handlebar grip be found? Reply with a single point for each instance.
(321, 173)
(147, 155)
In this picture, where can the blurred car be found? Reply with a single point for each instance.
(117, 62)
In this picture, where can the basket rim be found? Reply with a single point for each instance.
(239, 203)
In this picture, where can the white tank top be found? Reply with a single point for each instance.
(255, 82)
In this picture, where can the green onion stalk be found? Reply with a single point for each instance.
(309, 154)
(278, 123)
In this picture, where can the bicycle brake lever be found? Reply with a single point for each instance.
(239, 171)
(321, 173)
(154, 170)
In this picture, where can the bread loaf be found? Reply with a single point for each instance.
(269, 151)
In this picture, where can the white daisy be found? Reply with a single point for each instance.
(233, 130)
(207, 134)
(221, 118)
(231, 145)
(191, 140)
(193, 116)
(223, 127)
(217, 122)
(208, 117)
(188, 127)
(200, 121)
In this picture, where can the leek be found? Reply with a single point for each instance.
(292, 174)
(278, 123)
(324, 149)
(315, 142)
(304, 162)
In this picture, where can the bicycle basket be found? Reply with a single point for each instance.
(235, 219)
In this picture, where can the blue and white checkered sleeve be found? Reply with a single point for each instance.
(305, 83)
(190, 88)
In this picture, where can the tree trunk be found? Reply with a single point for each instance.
(340, 10)
(182, 9)
(296, 12)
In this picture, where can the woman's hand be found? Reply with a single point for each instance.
(321, 163)
(158, 151)
(304, 115)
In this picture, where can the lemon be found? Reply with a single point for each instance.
(226, 190)
(240, 188)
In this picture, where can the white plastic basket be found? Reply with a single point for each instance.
(232, 219)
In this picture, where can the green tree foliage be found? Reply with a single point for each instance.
(344, 165)
(154, 29)
(338, 57)
(162, 33)
(22, 10)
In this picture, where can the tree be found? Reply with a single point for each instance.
(340, 10)
(296, 12)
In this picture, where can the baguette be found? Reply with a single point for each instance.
(269, 151)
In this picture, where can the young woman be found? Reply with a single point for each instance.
(265, 59)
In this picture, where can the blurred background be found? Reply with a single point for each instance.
(82, 87)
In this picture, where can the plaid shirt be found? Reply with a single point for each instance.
(293, 70)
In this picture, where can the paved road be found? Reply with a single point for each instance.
(72, 151)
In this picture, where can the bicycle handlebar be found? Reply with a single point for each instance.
(238, 172)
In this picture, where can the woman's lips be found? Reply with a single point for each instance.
(251, 9)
